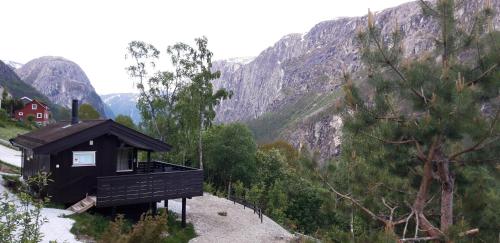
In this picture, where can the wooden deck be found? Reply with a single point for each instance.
(151, 183)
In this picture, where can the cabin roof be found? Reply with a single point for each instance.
(63, 135)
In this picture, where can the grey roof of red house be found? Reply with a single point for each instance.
(62, 135)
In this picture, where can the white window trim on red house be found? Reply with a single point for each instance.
(39, 115)
(34, 106)
(21, 113)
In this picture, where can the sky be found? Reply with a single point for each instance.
(95, 34)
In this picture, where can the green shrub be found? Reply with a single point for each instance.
(12, 183)
(92, 225)
(208, 187)
(38, 184)
(148, 229)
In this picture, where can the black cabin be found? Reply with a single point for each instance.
(99, 158)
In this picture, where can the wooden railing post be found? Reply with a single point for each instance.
(183, 212)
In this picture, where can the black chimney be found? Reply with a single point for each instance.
(74, 112)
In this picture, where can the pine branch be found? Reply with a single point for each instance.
(481, 143)
(389, 141)
(394, 68)
(484, 74)
(354, 201)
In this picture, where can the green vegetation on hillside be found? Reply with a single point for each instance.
(271, 126)
(88, 112)
(11, 130)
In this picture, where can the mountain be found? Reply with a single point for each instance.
(123, 104)
(13, 65)
(17, 88)
(61, 80)
(290, 89)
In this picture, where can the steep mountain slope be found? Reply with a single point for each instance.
(13, 65)
(289, 90)
(61, 81)
(123, 104)
(17, 88)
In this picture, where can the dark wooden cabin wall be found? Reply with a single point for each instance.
(71, 184)
(34, 163)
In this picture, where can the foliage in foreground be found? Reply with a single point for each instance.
(159, 228)
(20, 215)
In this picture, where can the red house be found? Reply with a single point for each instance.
(38, 110)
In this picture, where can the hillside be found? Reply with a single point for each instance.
(61, 80)
(17, 88)
(288, 91)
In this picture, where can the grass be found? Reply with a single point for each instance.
(8, 168)
(10, 130)
(93, 226)
(89, 225)
(177, 234)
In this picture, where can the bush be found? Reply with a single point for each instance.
(38, 184)
(92, 225)
(148, 229)
(12, 182)
(208, 187)
(20, 220)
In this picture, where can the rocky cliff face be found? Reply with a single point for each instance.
(61, 81)
(289, 89)
(17, 89)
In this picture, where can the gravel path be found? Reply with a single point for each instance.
(10, 156)
(240, 225)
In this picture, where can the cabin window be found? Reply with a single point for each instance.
(33, 106)
(38, 115)
(83, 158)
(125, 159)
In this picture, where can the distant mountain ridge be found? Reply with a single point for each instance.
(123, 104)
(61, 80)
(290, 89)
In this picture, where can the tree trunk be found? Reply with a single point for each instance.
(447, 186)
(421, 200)
(229, 189)
(200, 145)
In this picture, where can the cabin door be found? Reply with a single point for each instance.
(125, 160)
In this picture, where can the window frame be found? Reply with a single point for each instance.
(86, 164)
(39, 115)
(133, 160)
(20, 113)
(34, 106)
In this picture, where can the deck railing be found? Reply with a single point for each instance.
(144, 187)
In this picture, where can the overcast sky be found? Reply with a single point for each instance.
(94, 34)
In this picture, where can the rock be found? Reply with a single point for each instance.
(305, 65)
(61, 80)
